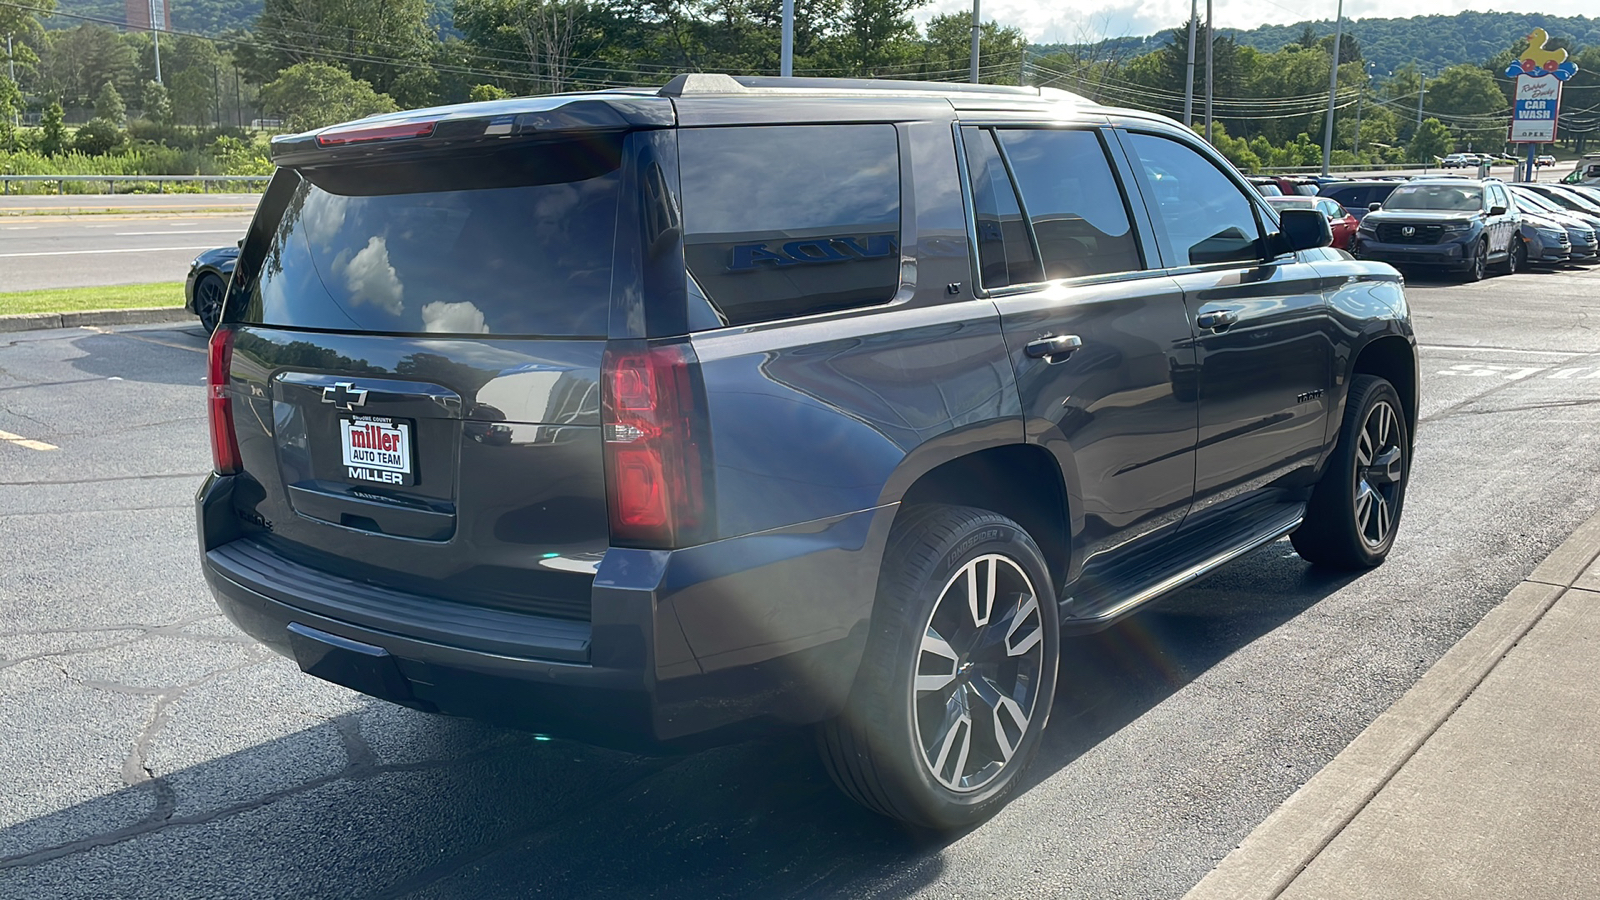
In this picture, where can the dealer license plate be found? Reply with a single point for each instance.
(376, 449)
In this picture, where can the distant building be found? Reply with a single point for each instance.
(139, 14)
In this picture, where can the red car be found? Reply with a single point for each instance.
(1340, 221)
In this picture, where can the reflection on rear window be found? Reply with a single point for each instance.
(517, 246)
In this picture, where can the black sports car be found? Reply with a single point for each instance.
(208, 282)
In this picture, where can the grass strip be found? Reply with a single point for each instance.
(122, 296)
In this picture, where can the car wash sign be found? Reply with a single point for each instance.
(1539, 75)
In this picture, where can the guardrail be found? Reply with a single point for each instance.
(111, 181)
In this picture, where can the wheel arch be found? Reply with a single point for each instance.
(1393, 358)
(1020, 481)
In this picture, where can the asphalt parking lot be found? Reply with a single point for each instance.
(154, 752)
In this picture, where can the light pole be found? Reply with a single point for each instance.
(977, 29)
(1333, 88)
(1211, 41)
(1188, 82)
(155, 37)
(786, 55)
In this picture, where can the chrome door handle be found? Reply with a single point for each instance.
(1054, 348)
(1216, 320)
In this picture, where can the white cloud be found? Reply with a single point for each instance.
(1073, 21)
(370, 278)
(453, 318)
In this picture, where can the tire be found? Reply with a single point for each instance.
(1509, 267)
(1479, 265)
(1355, 509)
(208, 295)
(948, 709)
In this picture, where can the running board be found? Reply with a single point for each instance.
(1132, 593)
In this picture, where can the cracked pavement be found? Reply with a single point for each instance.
(154, 751)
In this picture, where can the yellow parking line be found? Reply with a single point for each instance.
(21, 441)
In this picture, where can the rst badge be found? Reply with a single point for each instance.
(376, 449)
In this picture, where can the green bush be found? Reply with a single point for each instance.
(97, 137)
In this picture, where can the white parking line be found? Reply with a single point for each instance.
(21, 441)
(1447, 348)
(90, 252)
(206, 231)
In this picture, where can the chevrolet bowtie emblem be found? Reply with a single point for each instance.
(1408, 231)
(344, 395)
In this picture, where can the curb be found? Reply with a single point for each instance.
(1268, 861)
(137, 316)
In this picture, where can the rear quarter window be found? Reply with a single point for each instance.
(791, 220)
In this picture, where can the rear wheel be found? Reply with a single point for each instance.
(208, 293)
(1354, 512)
(959, 673)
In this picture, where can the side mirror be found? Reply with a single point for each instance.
(1374, 207)
(1497, 211)
(1302, 229)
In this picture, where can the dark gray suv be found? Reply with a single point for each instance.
(651, 418)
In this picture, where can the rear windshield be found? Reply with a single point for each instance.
(510, 242)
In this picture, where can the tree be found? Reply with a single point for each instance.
(362, 35)
(947, 49)
(108, 105)
(878, 34)
(1431, 140)
(1471, 99)
(315, 95)
(78, 61)
(193, 93)
(482, 92)
(10, 105)
(156, 105)
(97, 137)
(23, 18)
(54, 123)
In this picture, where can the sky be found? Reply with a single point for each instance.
(1074, 21)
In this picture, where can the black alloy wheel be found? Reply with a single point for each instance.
(208, 294)
(1354, 512)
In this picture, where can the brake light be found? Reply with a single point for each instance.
(224, 441)
(378, 131)
(655, 446)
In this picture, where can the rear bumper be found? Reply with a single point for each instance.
(683, 648)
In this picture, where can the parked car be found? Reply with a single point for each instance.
(1267, 187)
(1455, 224)
(1580, 226)
(1543, 160)
(1545, 242)
(1585, 172)
(1342, 224)
(208, 282)
(776, 446)
(1357, 197)
(1575, 200)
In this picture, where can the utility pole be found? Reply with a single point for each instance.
(977, 29)
(10, 60)
(1333, 88)
(1211, 42)
(1188, 82)
(1022, 69)
(155, 37)
(1422, 81)
(786, 63)
(1355, 146)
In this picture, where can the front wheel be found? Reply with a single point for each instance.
(1354, 512)
(1509, 267)
(959, 672)
(1478, 266)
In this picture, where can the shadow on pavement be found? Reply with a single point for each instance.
(171, 355)
(439, 808)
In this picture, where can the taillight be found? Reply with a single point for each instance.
(655, 447)
(224, 442)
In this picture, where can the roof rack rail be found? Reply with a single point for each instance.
(716, 83)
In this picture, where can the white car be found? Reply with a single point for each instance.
(1544, 160)
(1456, 161)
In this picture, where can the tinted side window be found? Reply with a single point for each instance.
(1351, 197)
(789, 220)
(1208, 218)
(1005, 253)
(1079, 217)
(1499, 198)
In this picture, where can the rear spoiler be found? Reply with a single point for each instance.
(472, 124)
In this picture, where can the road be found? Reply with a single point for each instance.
(95, 250)
(153, 752)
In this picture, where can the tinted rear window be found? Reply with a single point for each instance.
(789, 220)
(511, 242)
